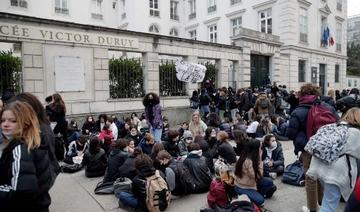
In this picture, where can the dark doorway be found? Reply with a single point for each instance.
(260, 70)
(322, 78)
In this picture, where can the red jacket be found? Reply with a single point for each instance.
(217, 194)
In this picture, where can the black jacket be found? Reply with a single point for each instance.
(116, 159)
(198, 169)
(347, 102)
(139, 187)
(277, 155)
(127, 169)
(25, 178)
(204, 99)
(90, 126)
(95, 163)
(137, 138)
(172, 147)
(204, 146)
(226, 151)
(328, 100)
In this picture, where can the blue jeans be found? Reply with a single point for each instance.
(73, 137)
(257, 196)
(157, 134)
(204, 109)
(128, 199)
(331, 198)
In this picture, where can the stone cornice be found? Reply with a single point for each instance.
(238, 12)
(330, 54)
(338, 18)
(325, 10)
(193, 26)
(305, 3)
(212, 20)
(264, 5)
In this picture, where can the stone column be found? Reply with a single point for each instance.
(101, 75)
(276, 72)
(33, 69)
(190, 87)
(223, 75)
(151, 72)
(246, 67)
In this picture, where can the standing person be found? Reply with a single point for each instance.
(262, 105)
(25, 177)
(57, 111)
(153, 116)
(204, 101)
(347, 102)
(297, 131)
(194, 100)
(222, 103)
(338, 178)
(197, 126)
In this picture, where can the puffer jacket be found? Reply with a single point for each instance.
(198, 169)
(25, 178)
(116, 158)
(128, 168)
(95, 163)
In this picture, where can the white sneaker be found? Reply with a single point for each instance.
(305, 209)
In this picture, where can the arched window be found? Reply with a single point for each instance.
(154, 28)
(174, 32)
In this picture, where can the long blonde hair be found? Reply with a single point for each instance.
(352, 116)
(28, 128)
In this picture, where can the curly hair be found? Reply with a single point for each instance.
(146, 100)
(309, 89)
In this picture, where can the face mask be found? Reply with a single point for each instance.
(133, 133)
(90, 120)
(273, 144)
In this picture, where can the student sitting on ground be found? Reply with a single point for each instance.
(155, 150)
(131, 147)
(147, 143)
(204, 146)
(251, 130)
(73, 131)
(171, 145)
(105, 132)
(76, 150)
(184, 143)
(264, 128)
(249, 178)
(128, 169)
(272, 157)
(225, 150)
(161, 163)
(116, 159)
(112, 127)
(198, 168)
(183, 128)
(89, 126)
(94, 159)
(134, 135)
(225, 126)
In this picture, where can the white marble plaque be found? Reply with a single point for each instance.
(69, 74)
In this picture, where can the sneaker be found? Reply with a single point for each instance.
(273, 175)
(302, 183)
(305, 209)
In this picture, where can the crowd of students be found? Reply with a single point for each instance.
(229, 148)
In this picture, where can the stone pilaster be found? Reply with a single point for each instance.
(223, 75)
(101, 76)
(151, 72)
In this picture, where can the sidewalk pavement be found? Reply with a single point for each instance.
(75, 193)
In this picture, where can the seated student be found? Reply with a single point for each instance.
(116, 159)
(204, 146)
(240, 138)
(100, 123)
(131, 147)
(161, 163)
(112, 127)
(76, 150)
(166, 128)
(134, 119)
(198, 168)
(73, 131)
(143, 127)
(127, 169)
(184, 127)
(137, 199)
(171, 145)
(225, 126)
(184, 143)
(264, 128)
(250, 116)
(156, 149)
(240, 124)
(225, 150)
(89, 126)
(251, 130)
(272, 157)
(210, 138)
(124, 129)
(134, 135)
(249, 178)
(105, 132)
(147, 143)
(94, 159)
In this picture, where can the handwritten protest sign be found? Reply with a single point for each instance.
(190, 72)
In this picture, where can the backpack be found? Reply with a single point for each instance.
(122, 184)
(263, 103)
(294, 174)
(104, 188)
(187, 184)
(158, 195)
(217, 194)
(318, 116)
(328, 143)
(66, 168)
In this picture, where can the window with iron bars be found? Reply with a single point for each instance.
(19, 3)
(10, 72)
(126, 78)
(169, 84)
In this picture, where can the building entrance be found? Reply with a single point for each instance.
(260, 70)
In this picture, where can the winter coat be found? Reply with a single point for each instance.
(258, 108)
(25, 178)
(227, 152)
(347, 102)
(222, 103)
(296, 130)
(328, 100)
(157, 121)
(116, 159)
(293, 101)
(226, 127)
(146, 148)
(337, 173)
(183, 147)
(172, 148)
(105, 133)
(137, 138)
(244, 101)
(206, 152)
(277, 155)
(199, 170)
(204, 99)
(90, 126)
(127, 169)
(139, 187)
(95, 163)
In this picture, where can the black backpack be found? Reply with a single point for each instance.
(187, 184)
(294, 174)
(59, 148)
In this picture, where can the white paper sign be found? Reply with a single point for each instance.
(69, 73)
(190, 72)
